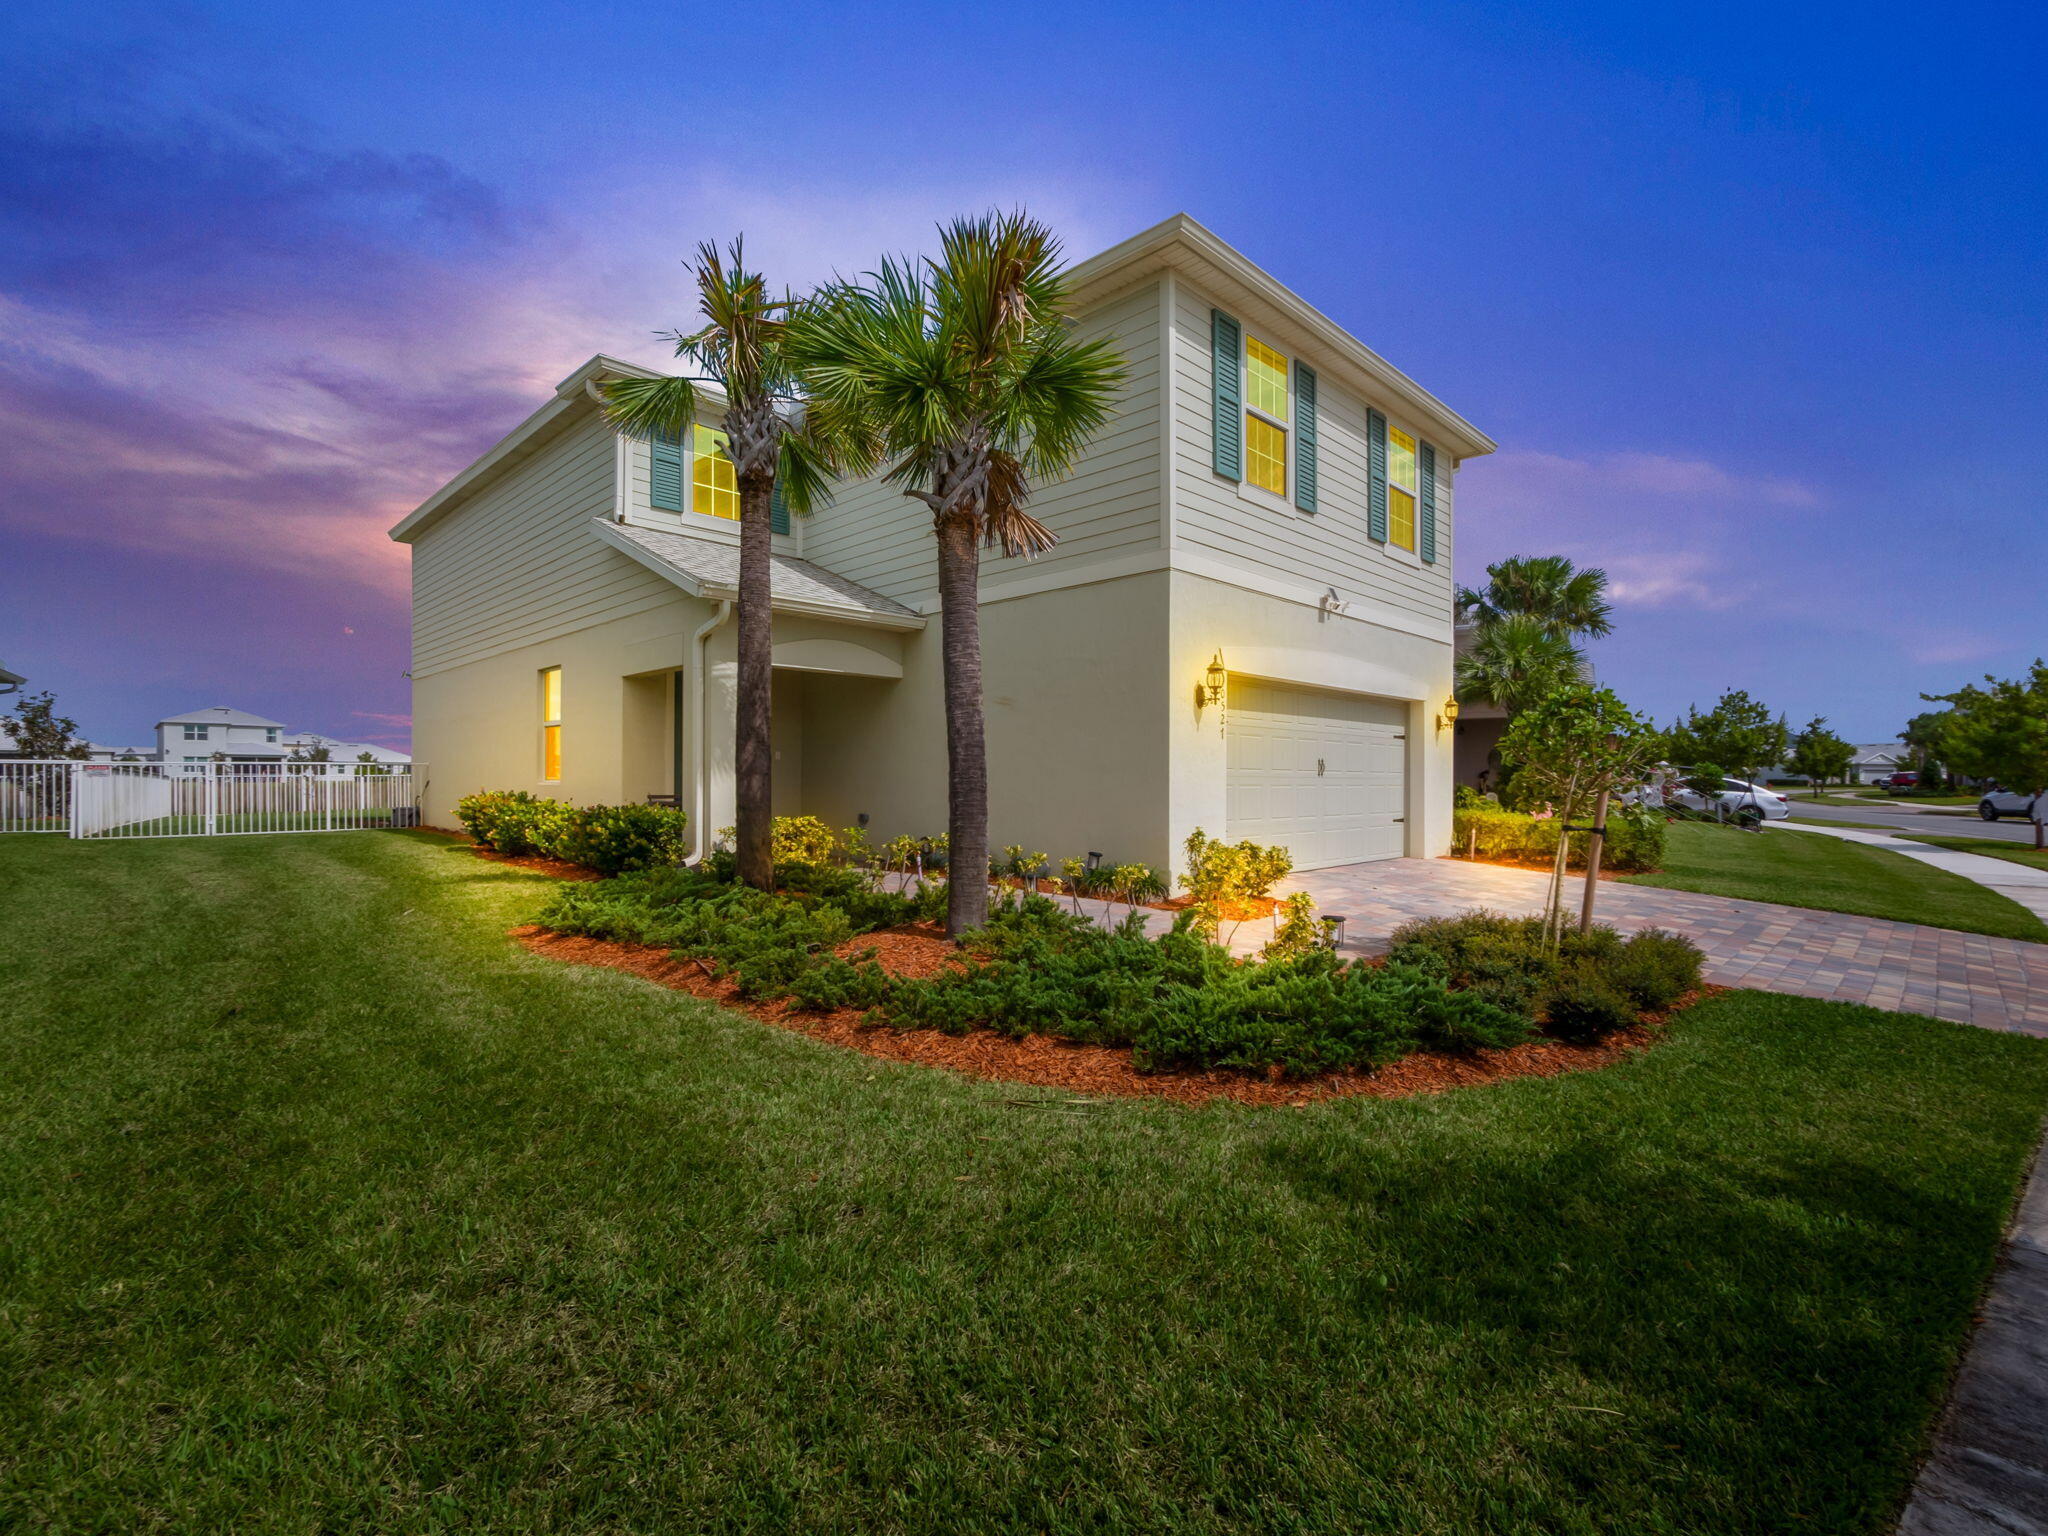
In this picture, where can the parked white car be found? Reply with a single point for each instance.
(1739, 800)
(2004, 802)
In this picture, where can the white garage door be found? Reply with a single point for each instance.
(1322, 773)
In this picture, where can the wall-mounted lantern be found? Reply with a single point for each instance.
(1210, 689)
(1447, 716)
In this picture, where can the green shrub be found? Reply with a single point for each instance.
(608, 838)
(612, 839)
(1655, 968)
(1634, 841)
(1584, 1005)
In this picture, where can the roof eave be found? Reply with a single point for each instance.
(1171, 243)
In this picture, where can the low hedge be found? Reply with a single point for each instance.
(1175, 1001)
(1592, 984)
(610, 839)
(1634, 841)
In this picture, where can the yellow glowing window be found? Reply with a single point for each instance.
(1265, 454)
(1401, 460)
(714, 486)
(1265, 380)
(551, 723)
(1400, 517)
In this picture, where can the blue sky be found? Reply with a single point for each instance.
(1751, 297)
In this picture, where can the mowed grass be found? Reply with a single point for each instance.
(1991, 848)
(325, 1208)
(1811, 869)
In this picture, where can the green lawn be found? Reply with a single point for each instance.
(1814, 870)
(1991, 848)
(324, 1208)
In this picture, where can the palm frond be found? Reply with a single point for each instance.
(646, 409)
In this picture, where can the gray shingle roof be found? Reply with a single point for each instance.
(706, 567)
(220, 714)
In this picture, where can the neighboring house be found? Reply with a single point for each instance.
(229, 735)
(1879, 760)
(1269, 512)
(10, 682)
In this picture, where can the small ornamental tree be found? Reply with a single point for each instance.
(1574, 747)
(1820, 754)
(39, 731)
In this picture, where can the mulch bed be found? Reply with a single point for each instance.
(1046, 1061)
(559, 868)
(1576, 872)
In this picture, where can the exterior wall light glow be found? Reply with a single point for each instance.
(1210, 689)
(1447, 716)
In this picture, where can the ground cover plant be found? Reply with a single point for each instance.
(1178, 1000)
(1810, 869)
(324, 1207)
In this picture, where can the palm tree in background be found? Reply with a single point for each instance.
(965, 380)
(1525, 623)
(743, 351)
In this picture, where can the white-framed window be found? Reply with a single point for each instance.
(1266, 416)
(270, 734)
(550, 723)
(714, 481)
(195, 732)
(1401, 489)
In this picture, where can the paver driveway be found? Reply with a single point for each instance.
(1968, 977)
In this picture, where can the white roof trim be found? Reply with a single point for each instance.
(1173, 242)
(569, 395)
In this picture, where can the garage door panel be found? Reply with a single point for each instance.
(1323, 774)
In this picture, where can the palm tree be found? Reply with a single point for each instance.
(1515, 660)
(966, 381)
(1524, 621)
(1570, 602)
(743, 349)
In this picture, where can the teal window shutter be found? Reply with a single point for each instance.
(1376, 477)
(1426, 456)
(665, 472)
(1304, 437)
(778, 510)
(1226, 338)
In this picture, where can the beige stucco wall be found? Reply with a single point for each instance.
(1261, 635)
(1076, 705)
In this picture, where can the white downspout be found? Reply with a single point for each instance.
(701, 798)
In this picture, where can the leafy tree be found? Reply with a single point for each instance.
(2000, 731)
(1571, 747)
(39, 731)
(1567, 601)
(304, 754)
(1738, 732)
(743, 350)
(1820, 754)
(963, 375)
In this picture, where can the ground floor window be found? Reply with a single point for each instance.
(551, 723)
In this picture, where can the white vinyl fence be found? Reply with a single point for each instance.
(111, 800)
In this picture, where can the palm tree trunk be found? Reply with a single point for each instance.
(753, 750)
(966, 742)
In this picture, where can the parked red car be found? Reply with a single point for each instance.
(1900, 781)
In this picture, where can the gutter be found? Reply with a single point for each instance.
(700, 798)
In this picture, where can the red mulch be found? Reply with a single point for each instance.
(560, 869)
(1049, 1062)
(1543, 867)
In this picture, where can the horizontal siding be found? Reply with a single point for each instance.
(1109, 506)
(518, 562)
(1285, 546)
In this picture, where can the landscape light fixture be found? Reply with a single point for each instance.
(1094, 860)
(1333, 932)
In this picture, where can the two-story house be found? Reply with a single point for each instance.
(219, 734)
(1246, 625)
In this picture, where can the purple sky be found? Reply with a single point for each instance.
(1751, 297)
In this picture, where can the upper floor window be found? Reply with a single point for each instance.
(270, 733)
(1401, 488)
(1265, 416)
(714, 483)
(551, 723)
(195, 732)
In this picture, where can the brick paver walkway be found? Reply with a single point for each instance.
(1970, 978)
